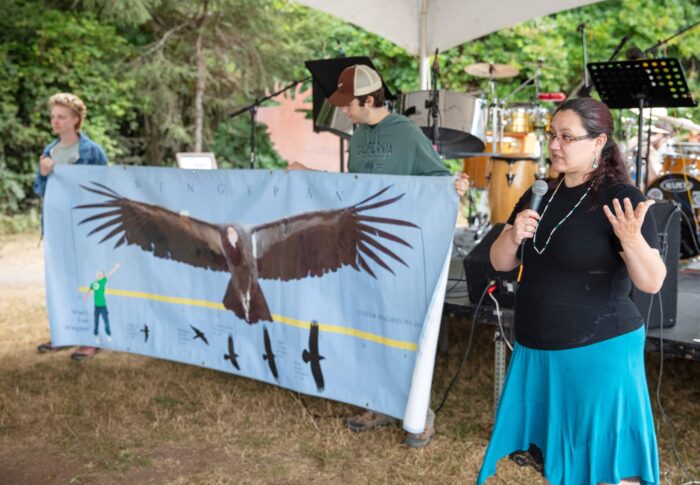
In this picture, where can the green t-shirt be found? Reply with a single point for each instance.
(65, 155)
(394, 146)
(98, 288)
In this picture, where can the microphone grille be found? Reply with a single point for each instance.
(539, 188)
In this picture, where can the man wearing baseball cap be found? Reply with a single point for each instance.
(390, 144)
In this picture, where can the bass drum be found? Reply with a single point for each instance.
(686, 193)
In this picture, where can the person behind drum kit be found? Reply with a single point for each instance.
(384, 143)
(575, 403)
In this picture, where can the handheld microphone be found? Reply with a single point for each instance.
(556, 97)
(539, 188)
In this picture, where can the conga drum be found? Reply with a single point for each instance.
(478, 168)
(511, 176)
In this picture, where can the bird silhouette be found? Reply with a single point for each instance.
(198, 334)
(232, 355)
(313, 357)
(268, 355)
(309, 244)
(144, 330)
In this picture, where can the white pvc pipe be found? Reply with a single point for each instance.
(423, 56)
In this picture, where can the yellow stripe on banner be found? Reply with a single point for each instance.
(323, 327)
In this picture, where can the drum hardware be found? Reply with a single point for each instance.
(510, 177)
(492, 72)
(534, 80)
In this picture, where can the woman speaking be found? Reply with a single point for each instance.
(575, 402)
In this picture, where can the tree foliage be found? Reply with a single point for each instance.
(44, 51)
(134, 62)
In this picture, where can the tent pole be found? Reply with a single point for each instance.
(424, 58)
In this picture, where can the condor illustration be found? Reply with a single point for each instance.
(198, 334)
(269, 356)
(291, 248)
(313, 358)
(232, 356)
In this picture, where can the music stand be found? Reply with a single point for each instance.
(642, 83)
(324, 75)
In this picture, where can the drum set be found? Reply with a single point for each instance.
(502, 148)
(514, 153)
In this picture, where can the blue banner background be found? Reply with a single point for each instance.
(370, 328)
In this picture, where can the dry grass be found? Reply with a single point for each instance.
(121, 418)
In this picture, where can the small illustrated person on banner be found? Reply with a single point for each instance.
(97, 288)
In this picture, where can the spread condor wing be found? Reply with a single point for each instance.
(156, 230)
(316, 243)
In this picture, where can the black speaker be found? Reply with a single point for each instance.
(479, 271)
(668, 227)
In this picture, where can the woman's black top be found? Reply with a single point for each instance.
(577, 292)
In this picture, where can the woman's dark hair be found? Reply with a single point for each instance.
(596, 120)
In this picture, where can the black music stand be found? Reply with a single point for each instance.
(325, 74)
(642, 83)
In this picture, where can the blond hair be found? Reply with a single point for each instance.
(73, 103)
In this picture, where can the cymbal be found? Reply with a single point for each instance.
(495, 71)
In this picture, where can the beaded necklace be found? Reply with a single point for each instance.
(534, 238)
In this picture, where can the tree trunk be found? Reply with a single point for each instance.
(199, 92)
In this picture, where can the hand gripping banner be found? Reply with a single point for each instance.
(326, 284)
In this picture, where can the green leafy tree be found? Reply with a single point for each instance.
(45, 51)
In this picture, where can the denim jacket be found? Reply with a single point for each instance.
(89, 153)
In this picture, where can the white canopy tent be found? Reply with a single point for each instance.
(421, 26)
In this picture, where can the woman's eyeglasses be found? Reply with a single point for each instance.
(566, 139)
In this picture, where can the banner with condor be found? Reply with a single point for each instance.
(327, 284)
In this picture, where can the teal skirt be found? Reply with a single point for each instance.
(586, 409)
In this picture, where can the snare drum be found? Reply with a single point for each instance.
(510, 177)
(679, 164)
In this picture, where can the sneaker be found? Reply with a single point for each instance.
(84, 353)
(109, 338)
(419, 440)
(97, 340)
(368, 420)
(49, 347)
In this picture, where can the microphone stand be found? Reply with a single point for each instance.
(579, 86)
(433, 102)
(252, 109)
(653, 49)
(582, 30)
